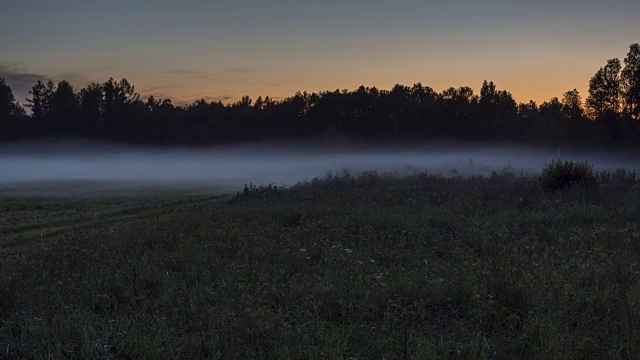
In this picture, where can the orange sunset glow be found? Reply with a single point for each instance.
(189, 52)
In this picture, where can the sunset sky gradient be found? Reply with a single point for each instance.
(222, 50)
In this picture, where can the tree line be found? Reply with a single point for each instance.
(114, 111)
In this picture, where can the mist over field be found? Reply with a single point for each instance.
(282, 163)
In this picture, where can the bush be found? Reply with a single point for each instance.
(559, 175)
(618, 176)
(252, 191)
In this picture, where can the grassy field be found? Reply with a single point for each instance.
(343, 267)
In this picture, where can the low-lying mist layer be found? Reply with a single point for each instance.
(270, 163)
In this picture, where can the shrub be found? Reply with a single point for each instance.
(618, 176)
(252, 191)
(559, 175)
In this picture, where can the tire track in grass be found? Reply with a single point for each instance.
(18, 238)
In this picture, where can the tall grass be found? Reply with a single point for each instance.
(369, 266)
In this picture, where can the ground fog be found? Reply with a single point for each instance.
(270, 163)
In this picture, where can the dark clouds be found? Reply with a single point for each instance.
(189, 73)
(243, 70)
(19, 79)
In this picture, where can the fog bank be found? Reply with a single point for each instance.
(269, 163)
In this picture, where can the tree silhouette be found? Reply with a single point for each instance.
(529, 112)
(572, 105)
(499, 110)
(457, 105)
(92, 106)
(574, 123)
(120, 105)
(113, 110)
(488, 95)
(160, 120)
(9, 107)
(12, 116)
(41, 102)
(604, 90)
(64, 108)
(630, 79)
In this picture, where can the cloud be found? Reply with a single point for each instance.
(81, 77)
(190, 73)
(160, 88)
(199, 75)
(182, 72)
(19, 79)
(243, 70)
(185, 100)
(221, 98)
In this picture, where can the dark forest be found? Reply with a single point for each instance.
(113, 111)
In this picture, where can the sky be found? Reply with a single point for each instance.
(222, 50)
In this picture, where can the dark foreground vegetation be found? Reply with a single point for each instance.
(114, 111)
(364, 267)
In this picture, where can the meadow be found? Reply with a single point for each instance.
(422, 266)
